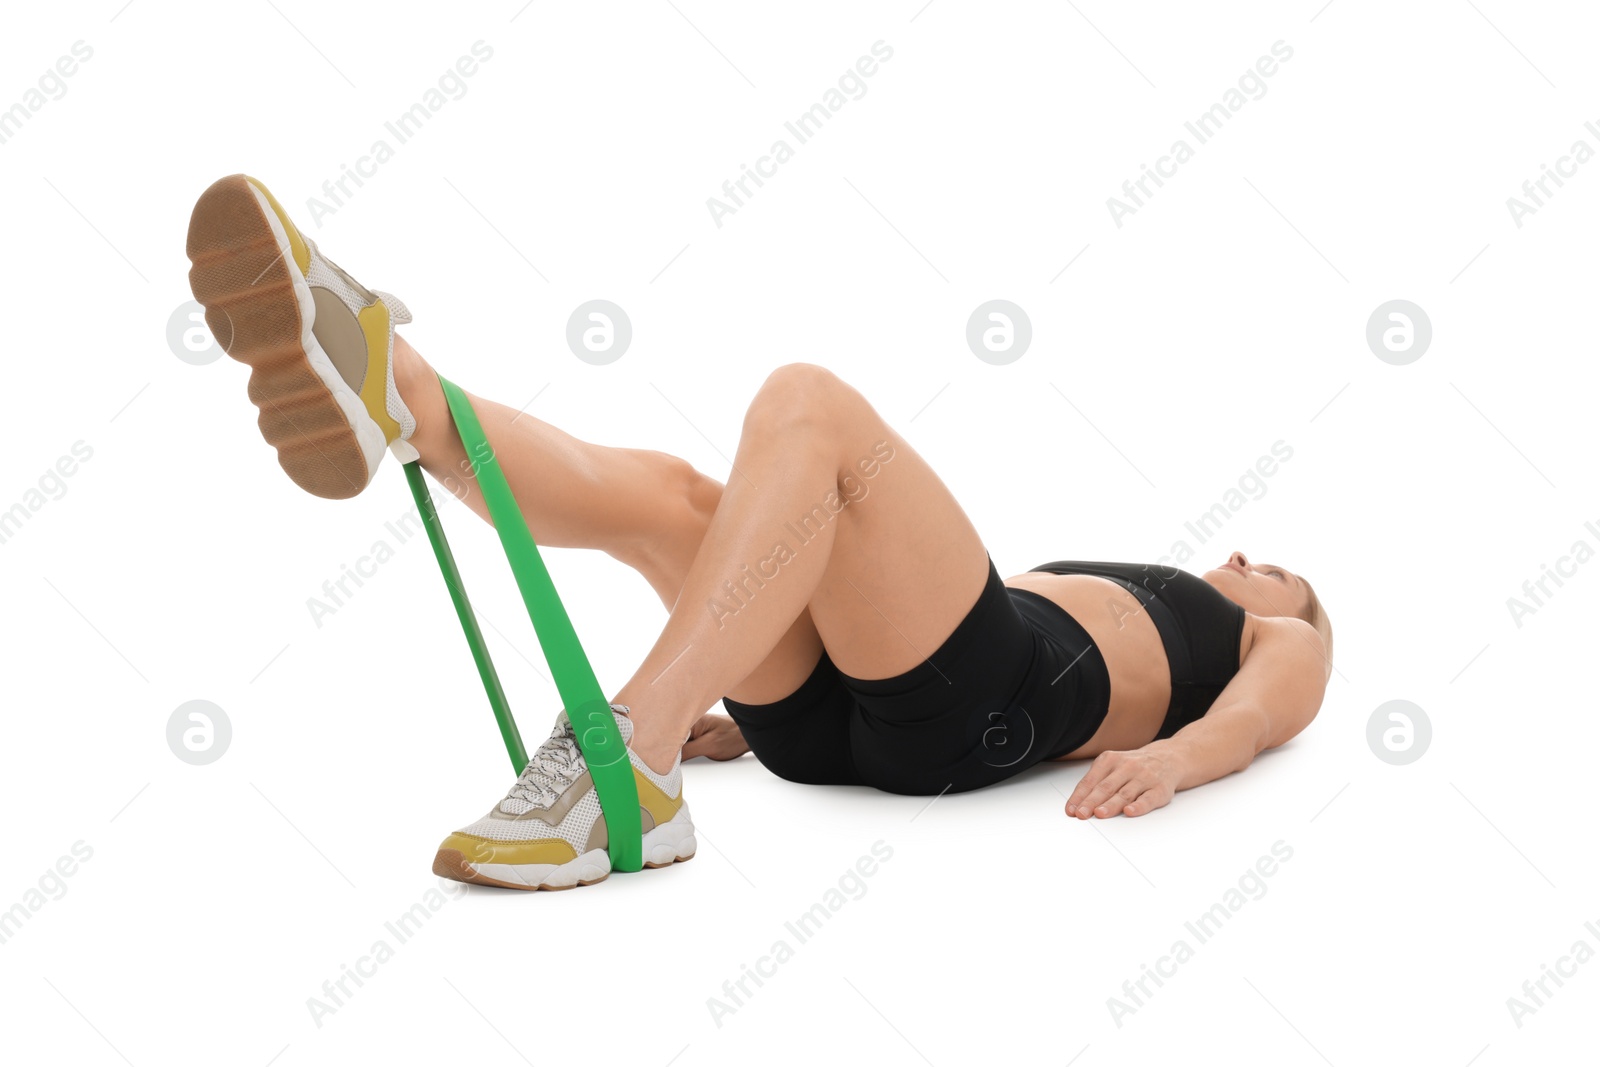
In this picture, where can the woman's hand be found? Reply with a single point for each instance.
(714, 737)
(1126, 783)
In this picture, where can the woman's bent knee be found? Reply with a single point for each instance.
(799, 397)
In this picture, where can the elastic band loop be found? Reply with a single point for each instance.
(592, 722)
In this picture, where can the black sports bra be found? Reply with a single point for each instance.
(1199, 627)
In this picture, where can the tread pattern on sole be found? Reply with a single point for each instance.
(244, 282)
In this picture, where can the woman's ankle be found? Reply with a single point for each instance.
(658, 752)
(418, 385)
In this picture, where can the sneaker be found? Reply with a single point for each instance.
(548, 832)
(319, 345)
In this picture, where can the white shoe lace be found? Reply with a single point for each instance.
(555, 765)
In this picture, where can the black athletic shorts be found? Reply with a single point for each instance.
(1017, 682)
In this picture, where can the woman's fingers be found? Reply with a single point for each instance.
(1110, 772)
(715, 737)
(1117, 783)
(1158, 795)
(1118, 799)
(1086, 785)
(1145, 802)
(699, 741)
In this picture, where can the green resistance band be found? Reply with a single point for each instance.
(596, 730)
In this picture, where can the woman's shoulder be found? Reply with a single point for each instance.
(1282, 635)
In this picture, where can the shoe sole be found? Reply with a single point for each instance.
(669, 843)
(260, 310)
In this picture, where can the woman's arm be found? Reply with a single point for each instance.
(1274, 696)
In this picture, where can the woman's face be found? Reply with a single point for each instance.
(1260, 588)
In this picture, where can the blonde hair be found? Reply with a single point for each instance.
(1317, 616)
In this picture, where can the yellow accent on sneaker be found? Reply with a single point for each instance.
(476, 849)
(297, 244)
(653, 799)
(374, 320)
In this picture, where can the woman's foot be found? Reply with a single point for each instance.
(320, 346)
(548, 833)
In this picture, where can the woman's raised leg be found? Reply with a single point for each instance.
(647, 509)
(832, 531)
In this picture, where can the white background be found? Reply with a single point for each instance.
(1227, 314)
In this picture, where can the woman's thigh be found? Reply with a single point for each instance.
(906, 563)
